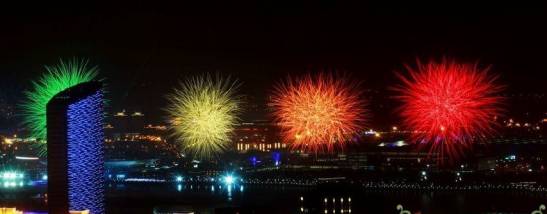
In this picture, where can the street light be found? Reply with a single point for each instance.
(229, 179)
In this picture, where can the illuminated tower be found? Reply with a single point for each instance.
(75, 150)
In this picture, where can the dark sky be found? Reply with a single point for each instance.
(143, 50)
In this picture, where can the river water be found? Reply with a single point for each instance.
(315, 199)
(145, 198)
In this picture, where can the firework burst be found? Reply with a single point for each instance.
(203, 113)
(57, 78)
(449, 105)
(318, 112)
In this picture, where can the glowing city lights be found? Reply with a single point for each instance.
(6, 210)
(85, 139)
(229, 179)
(26, 158)
(11, 179)
(11, 175)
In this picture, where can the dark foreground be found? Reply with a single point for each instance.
(332, 198)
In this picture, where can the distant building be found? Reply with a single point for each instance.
(7, 111)
(486, 163)
(75, 150)
(257, 136)
(127, 123)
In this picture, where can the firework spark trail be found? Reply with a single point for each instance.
(203, 113)
(56, 79)
(318, 112)
(449, 105)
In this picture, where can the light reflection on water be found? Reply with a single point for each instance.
(229, 192)
(343, 205)
(295, 199)
(222, 189)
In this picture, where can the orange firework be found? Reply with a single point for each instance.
(318, 112)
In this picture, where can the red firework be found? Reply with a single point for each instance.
(318, 112)
(449, 105)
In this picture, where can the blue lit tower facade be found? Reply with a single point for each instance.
(75, 150)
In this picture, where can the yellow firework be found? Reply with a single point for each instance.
(202, 113)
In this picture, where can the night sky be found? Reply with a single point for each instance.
(143, 50)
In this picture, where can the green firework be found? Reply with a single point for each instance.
(57, 78)
(203, 113)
